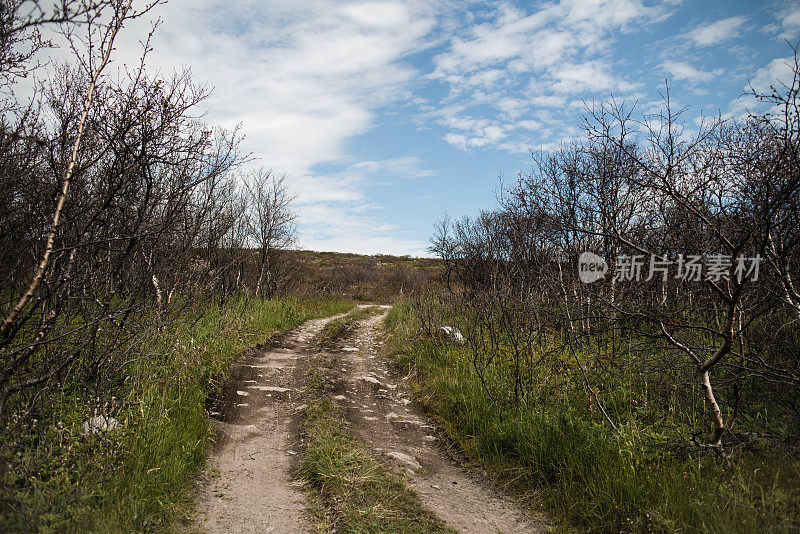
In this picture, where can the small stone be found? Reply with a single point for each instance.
(371, 380)
(270, 388)
(405, 458)
(98, 424)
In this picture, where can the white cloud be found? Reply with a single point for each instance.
(778, 71)
(403, 167)
(591, 76)
(546, 53)
(529, 125)
(541, 39)
(790, 22)
(548, 101)
(337, 216)
(301, 81)
(716, 32)
(685, 71)
(302, 78)
(358, 232)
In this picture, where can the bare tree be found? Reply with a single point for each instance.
(643, 188)
(112, 212)
(271, 226)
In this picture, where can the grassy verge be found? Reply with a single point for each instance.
(352, 492)
(590, 478)
(138, 476)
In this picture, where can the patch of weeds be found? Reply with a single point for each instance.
(138, 477)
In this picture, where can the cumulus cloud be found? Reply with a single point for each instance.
(716, 32)
(682, 70)
(778, 72)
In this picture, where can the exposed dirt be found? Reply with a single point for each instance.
(250, 483)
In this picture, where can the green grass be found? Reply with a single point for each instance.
(555, 445)
(352, 491)
(137, 478)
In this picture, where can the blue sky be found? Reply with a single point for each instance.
(387, 114)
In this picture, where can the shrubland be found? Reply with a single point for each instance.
(664, 395)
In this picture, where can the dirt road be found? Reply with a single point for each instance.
(250, 485)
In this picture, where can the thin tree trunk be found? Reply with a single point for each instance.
(62, 197)
(713, 408)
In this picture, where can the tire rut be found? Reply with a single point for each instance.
(249, 483)
(382, 415)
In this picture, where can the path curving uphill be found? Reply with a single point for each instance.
(250, 483)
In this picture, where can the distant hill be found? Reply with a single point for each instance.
(376, 278)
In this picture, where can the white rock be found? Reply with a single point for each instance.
(391, 416)
(371, 380)
(97, 424)
(405, 458)
(275, 389)
(453, 335)
(350, 349)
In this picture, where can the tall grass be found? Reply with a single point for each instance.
(138, 476)
(589, 477)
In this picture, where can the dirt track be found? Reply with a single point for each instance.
(249, 484)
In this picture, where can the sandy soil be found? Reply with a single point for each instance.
(250, 485)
